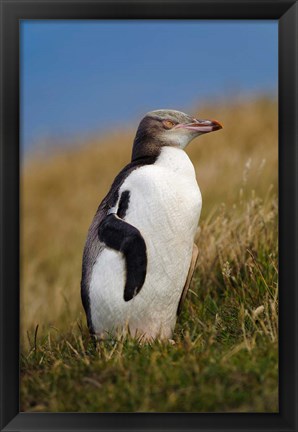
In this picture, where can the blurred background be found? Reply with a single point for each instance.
(83, 78)
(84, 88)
(85, 85)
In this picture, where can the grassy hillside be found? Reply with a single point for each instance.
(225, 352)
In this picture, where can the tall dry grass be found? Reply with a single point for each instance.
(225, 357)
(60, 194)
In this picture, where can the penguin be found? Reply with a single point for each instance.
(139, 255)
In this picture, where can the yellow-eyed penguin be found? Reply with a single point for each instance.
(140, 254)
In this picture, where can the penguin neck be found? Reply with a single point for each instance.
(176, 160)
(145, 147)
(149, 150)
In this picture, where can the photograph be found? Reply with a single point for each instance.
(149, 216)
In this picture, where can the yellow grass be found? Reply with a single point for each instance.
(60, 194)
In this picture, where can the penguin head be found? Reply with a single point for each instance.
(172, 128)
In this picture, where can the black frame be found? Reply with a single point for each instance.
(286, 11)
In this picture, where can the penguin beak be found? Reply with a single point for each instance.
(202, 126)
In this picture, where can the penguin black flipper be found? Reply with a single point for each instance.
(119, 235)
(93, 246)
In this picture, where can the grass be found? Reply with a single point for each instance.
(225, 356)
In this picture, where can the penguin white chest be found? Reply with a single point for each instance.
(165, 200)
(164, 205)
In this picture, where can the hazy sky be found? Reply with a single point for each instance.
(83, 77)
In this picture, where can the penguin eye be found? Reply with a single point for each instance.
(168, 124)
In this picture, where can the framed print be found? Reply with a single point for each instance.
(128, 301)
